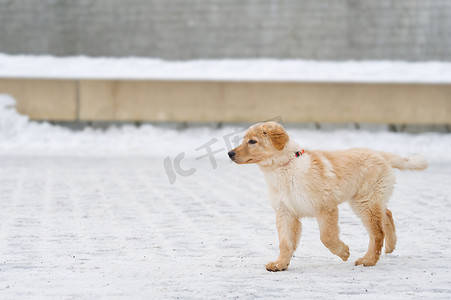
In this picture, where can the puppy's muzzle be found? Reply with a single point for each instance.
(232, 155)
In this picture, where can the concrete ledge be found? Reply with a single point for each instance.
(150, 101)
(205, 101)
(341, 102)
(43, 99)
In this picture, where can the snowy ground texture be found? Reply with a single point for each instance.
(91, 214)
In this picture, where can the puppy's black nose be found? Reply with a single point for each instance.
(231, 154)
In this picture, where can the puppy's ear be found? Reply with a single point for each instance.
(277, 135)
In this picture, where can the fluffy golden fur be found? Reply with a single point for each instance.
(314, 184)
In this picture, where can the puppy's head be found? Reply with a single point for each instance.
(261, 142)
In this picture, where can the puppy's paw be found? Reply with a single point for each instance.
(366, 261)
(344, 255)
(389, 250)
(276, 266)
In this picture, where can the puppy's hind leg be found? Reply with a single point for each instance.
(390, 233)
(372, 216)
(329, 231)
(289, 228)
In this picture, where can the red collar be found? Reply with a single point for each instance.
(297, 154)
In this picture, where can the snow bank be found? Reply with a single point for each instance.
(227, 69)
(18, 135)
(11, 123)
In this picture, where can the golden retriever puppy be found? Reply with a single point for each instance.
(313, 183)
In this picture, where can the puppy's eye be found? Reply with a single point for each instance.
(252, 142)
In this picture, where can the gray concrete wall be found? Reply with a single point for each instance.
(192, 29)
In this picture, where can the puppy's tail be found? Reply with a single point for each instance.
(416, 162)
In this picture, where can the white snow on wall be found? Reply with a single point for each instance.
(81, 67)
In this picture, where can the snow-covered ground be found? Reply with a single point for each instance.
(226, 69)
(87, 227)
(92, 214)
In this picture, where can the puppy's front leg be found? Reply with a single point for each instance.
(289, 229)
